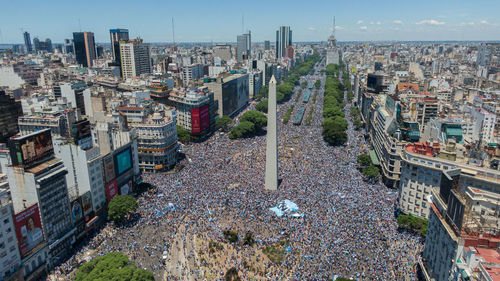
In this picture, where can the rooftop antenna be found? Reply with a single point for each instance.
(333, 26)
(79, 25)
(242, 23)
(173, 31)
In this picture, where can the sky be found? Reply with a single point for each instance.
(221, 20)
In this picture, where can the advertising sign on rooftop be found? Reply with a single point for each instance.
(31, 149)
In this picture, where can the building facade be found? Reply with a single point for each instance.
(10, 110)
(283, 40)
(84, 47)
(135, 58)
(196, 110)
(231, 92)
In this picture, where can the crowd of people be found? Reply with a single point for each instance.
(348, 228)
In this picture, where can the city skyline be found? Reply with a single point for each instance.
(311, 21)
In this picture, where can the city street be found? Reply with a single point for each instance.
(347, 229)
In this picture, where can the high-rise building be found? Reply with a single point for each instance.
(68, 46)
(99, 51)
(231, 92)
(42, 45)
(135, 58)
(332, 53)
(40, 194)
(191, 73)
(27, 42)
(488, 55)
(10, 110)
(223, 51)
(283, 40)
(267, 45)
(195, 110)
(84, 47)
(244, 43)
(117, 35)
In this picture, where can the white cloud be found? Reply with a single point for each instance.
(395, 28)
(311, 28)
(372, 23)
(397, 22)
(359, 22)
(379, 23)
(337, 27)
(471, 23)
(483, 22)
(430, 22)
(364, 28)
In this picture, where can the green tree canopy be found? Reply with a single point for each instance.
(121, 206)
(317, 84)
(413, 223)
(371, 172)
(112, 266)
(183, 135)
(358, 123)
(364, 160)
(224, 122)
(334, 130)
(262, 105)
(259, 119)
(244, 129)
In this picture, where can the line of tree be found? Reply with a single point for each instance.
(285, 89)
(251, 123)
(334, 125)
(224, 123)
(288, 114)
(310, 116)
(356, 116)
(262, 105)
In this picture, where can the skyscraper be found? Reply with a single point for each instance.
(135, 58)
(117, 35)
(84, 48)
(244, 43)
(42, 45)
(27, 42)
(283, 40)
(267, 45)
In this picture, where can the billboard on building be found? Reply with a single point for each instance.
(111, 190)
(31, 149)
(76, 210)
(29, 231)
(195, 121)
(86, 203)
(123, 161)
(204, 118)
(109, 168)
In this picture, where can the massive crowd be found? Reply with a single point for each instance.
(348, 228)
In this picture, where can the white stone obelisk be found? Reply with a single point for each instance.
(272, 139)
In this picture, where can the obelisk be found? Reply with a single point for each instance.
(271, 182)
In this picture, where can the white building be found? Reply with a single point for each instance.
(83, 162)
(191, 73)
(157, 140)
(10, 260)
(135, 58)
